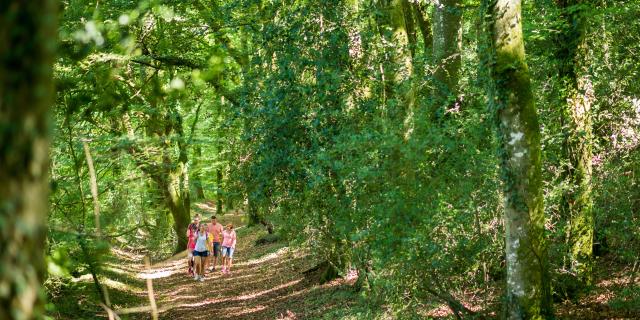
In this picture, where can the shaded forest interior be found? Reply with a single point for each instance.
(380, 159)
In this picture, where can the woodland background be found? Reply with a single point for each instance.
(370, 133)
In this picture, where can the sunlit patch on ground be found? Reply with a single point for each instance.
(158, 273)
(267, 282)
(265, 258)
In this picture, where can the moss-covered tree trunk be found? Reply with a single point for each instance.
(171, 175)
(27, 42)
(424, 24)
(573, 59)
(398, 63)
(178, 199)
(447, 45)
(197, 179)
(528, 294)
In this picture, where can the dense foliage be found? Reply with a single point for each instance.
(363, 131)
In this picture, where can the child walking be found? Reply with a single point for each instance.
(192, 229)
(228, 246)
(200, 253)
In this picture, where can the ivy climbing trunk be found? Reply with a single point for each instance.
(573, 58)
(27, 44)
(528, 294)
(447, 45)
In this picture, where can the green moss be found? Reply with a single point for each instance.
(518, 129)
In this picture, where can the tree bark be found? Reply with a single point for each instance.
(410, 27)
(398, 64)
(172, 178)
(27, 44)
(573, 57)
(447, 45)
(94, 188)
(424, 25)
(179, 200)
(219, 191)
(197, 179)
(528, 294)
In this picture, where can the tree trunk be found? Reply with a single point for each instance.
(180, 201)
(528, 294)
(219, 191)
(573, 58)
(410, 27)
(93, 180)
(398, 64)
(197, 180)
(177, 199)
(254, 219)
(447, 45)
(424, 24)
(171, 177)
(27, 42)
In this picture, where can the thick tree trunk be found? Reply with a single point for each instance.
(180, 201)
(398, 65)
(27, 42)
(177, 200)
(573, 57)
(410, 27)
(528, 293)
(172, 178)
(447, 45)
(424, 25)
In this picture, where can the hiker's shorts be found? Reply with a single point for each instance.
(227, 252)
(200, 253)
(216, 249)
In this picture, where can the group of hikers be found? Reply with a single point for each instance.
(207, 242)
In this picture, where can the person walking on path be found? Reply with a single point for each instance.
(228, 246)
(200, 253)
(215, 232)
(192, 229)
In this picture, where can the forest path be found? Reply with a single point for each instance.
(267, 282)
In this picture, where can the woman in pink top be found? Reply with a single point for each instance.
(228, 246)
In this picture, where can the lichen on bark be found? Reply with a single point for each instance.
(573, 59)
(528, 294)
(447, 46)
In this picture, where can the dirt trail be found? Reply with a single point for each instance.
(266, 283)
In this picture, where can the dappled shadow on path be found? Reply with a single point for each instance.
(266, 283)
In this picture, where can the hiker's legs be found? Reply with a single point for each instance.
(189, 259)
(204, 259)
(216, 253)
(207, 259)
(230, 258)
(225, 257)
(198, 265)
